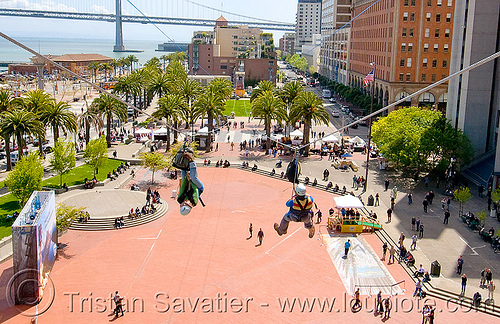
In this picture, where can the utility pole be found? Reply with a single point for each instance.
(369, 129)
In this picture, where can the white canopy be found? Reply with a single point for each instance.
(348, 202)
(297, 133)
(142, 130)
(203, 131)
(357, 140)
(330, 138)
(161, 131)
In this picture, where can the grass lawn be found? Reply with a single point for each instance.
(8, 205)
(78, 174)
(241, 108)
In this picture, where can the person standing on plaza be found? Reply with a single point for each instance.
(410, 198)
(377, 200)
(232, 146)
(425, 203)
(379, 308)
(413, 221)
(431, 197)
(389, 215)
(448, 202)
(384, 251)
(326, 173)
(443, 202)
(426, 181)
(392, 252)
(118, 304)
(401, 239)
(491, 290)
(414, 239)
(446, 216)
(421, 231)
(260, 236)
(386, 184)
(347, 245)
(250, 230)
(460, 263)
(464, 284)
(387, 308)
(489, 276)
(357, 300)
(417, 224)
(393, 204)
(418, 288)
(319, 214)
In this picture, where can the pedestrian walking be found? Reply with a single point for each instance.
(482, 282)
(232, 146)
(421, 231)
(357, 300)
(489, 276)
(446, 216)
(401, 239)
(393, 204)
(431, 197)
(379, 307)
(386, 184)
(392, 252)
(491, 290)
(250, 230)
(414, 239)
(413, 221)
(114, 154)
(319, 214)
(460, 263)
(417, 224)
(228, 136)
(384, 251)
(426, 181)
(448, 202)
(260, 236)
(425, 203)
(347, 245)
(387, 307)
(418, 288)
(389, 215)
(326, 173)
(443, 202)
(464, 284)
(216, 146)
(118, 304)
(377, 200)
(410, 198)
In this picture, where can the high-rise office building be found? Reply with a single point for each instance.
(308, 21)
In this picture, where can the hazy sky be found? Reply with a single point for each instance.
(278, 10)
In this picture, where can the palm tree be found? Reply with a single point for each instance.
(169, 108)
(131, 60)
(58, 116)
(190, 90)
(308, 108)
(110, 107)
(88, 119)
(268, 106)
(211, 103)
(93, 67)
(7, 102)
(18, 123)
(164, 58)
(158, 84)
(37, 101)
(262, 87)
(290, 91)
(105, 67)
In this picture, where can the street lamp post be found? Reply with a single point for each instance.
(369, 128)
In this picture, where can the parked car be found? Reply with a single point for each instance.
(335, 114)
(333, 100)
(46, 149)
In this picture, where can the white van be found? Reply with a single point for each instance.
(14, 156)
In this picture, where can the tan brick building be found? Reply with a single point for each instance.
(410, 43)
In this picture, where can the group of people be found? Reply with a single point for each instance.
(90, 184)
(113, 175)
(223, 164)
(119, 222)
(152, 197)
(146, 209)
(358, 182)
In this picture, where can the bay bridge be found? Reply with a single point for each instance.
(169, 12)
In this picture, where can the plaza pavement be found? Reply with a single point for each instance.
(205, 253)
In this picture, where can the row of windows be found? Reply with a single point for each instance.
(428, 16)
(424, 77)
(410, 32)
(409, 47)
(439, 3)
(408, 63)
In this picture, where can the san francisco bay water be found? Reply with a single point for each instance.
(59, 46)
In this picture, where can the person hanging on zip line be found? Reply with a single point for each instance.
(190, 187)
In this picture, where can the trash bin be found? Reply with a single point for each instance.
(435, 269)
(370, 200)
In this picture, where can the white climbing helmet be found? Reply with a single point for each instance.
(185, 210)
(300, 189)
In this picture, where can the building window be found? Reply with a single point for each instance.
(434, 63)
(445, 63)
(447, 33)
(424, 77)
(439, 3)
(450, 3)
(410, 47)
(448, 17)
(412, 16)
(403, 47)
(406, 3)
(428, 16)
(424, 62)
(223, 67)
(408, 77)
(405, 16)
(401, 77)
(445, 48)
(426, 48)
(427, 32)
(402, 62)
(429, 3)
(404, 32)
(436, 33)
(438, 17)
(411, 32)
(413, 3)
(408, 62)
(436, 48)
(433, 78)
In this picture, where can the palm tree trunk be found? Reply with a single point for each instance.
(7, 151)
(175, 131)
(55, 130)
(40, 145)
(307, 130)
(268, 134)
(209, 139)
(20, 145)
(87, 133)
(168, 138)
(108, 130)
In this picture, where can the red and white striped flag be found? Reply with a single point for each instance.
(368, 78)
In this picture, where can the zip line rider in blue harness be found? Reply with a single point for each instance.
(300, 211)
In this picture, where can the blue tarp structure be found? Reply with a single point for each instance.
(480, 173)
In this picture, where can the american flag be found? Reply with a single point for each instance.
(368, 78)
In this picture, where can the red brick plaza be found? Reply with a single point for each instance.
(201, 268)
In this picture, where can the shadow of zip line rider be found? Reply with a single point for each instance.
(190, 187)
